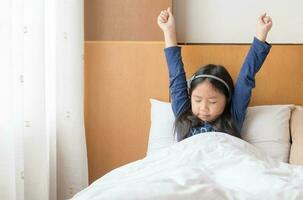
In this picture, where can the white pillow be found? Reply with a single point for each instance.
(266, 127)
(161, 129)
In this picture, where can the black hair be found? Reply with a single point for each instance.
(224, 123)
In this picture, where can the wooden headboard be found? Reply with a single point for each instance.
(120, 77)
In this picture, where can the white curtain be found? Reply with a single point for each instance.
(42, 138)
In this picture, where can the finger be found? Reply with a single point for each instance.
(163, 15)
(163, 18)
(169, 11)
(166, 13)
(262, 16)
(266, 19)
(161, 12)
(160, 20)
(269, 23)
(269, 19)
(159, 17)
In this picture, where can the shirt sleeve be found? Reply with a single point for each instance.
(246, 80)
(177, 80)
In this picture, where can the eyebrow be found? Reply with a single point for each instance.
(213, 97)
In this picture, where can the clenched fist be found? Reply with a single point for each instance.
(263, 27)
(166, 20)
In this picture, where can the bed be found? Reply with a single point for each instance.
(266, 164)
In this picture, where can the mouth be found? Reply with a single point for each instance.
(204, 116)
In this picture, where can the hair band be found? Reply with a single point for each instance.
(210, 76)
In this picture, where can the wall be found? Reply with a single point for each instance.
(234, 21)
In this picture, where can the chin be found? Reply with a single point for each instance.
(207, 119)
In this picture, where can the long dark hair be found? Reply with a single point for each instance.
(224, 123)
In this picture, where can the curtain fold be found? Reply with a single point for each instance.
(42, 138)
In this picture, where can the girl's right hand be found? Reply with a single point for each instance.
(166, 21)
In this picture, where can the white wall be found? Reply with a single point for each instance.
(234, 21)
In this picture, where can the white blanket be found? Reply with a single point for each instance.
(205, 166)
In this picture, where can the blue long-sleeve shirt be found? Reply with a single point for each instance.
(242, 91)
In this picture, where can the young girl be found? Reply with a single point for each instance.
(209, 101)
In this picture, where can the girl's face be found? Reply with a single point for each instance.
(207, 102)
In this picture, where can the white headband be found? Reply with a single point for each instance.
(210, 76)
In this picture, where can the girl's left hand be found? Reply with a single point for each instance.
(263, 27)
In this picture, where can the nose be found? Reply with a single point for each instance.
(203, 107)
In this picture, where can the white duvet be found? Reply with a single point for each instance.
(210, 166)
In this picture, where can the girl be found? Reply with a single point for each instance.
(209, 101)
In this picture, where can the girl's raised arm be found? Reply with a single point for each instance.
(252, 64)
(177, 77)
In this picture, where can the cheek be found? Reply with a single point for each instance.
(194, 107)
(218, 109)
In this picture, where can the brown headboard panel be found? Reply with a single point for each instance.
(120, 77)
